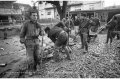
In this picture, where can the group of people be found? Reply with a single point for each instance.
(85, 25)
(59, 34)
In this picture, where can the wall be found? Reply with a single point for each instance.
(75, 8)
(42, 14)
(46, 13)
(50, 13)
(88, 5)
(92, 6)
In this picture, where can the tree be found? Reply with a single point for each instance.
(60, 9)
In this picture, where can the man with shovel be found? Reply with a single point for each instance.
(29, 36)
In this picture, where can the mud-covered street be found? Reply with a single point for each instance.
(102, 61)
(59, 39)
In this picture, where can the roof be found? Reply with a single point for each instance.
(10, 12)
(21, 4)
(18, 5)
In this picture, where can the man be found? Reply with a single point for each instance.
(118, 25)
(111, 25)
(84, 26)
(97, 23)
(69, 24)
(5, 33)
(76, 27)
(94, 28)
(29, 36)
(76, 23)
(60, 39)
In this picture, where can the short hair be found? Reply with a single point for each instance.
(47, 29)
(32, 10)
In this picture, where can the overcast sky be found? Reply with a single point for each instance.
(107, 2)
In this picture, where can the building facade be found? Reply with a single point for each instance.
(104, 14)
(11, 11)
(7, 11)
(23, 8)
(86, 5)
(47, 11)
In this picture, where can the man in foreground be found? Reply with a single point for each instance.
(29, 36)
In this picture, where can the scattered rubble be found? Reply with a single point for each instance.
(102, 61)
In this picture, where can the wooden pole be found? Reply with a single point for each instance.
(41, 41)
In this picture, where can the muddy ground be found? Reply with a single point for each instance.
(102, 60)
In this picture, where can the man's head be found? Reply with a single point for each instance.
(115, 19)
(92, 16)
(33, 14)
(47, 29)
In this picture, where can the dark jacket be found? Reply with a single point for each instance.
(84, 25)
(60, 24)
(30, 29)
(76, 22)
(54, 32)
(97, 21)
(111, 25)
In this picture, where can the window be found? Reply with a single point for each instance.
(49, 13)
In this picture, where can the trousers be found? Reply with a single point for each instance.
(84, 40)
(33, 53)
